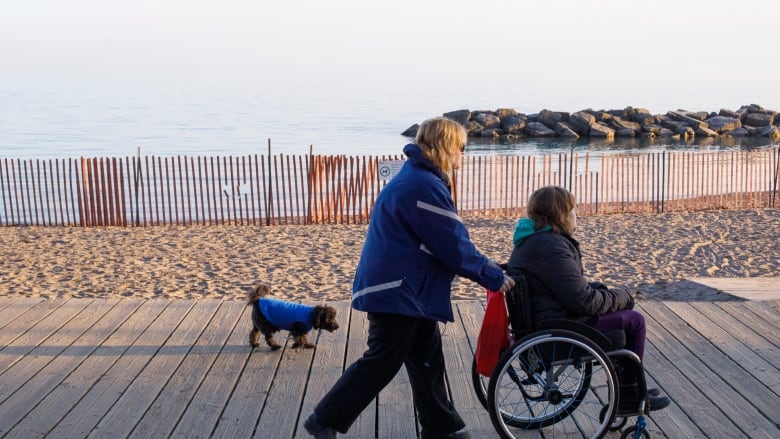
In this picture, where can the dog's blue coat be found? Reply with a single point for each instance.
(283, 314)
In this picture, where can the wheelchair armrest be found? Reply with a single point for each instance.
(612, 340)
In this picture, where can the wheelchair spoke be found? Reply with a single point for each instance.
(547, 385)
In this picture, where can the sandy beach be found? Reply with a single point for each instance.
(652, 253)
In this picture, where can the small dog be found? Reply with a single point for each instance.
(271, 315)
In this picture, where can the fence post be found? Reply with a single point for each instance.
(663, 179)
(777, 170)
(571, 168)
(270, 203)
(136, 183)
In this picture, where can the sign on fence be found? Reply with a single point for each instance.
(388, 169)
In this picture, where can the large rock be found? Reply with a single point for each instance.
(759, 119)
(643, 118)
(460, 116)
(618, 123)
(491, 132)
(739, 132)
(581, 122)
(513, 124)
(601, 131)
(538, 129)
(486, 119)
(704, 131)
(685, 118)
(564, 130)
(505, 112)
(723, 123)
(473, 128)
(770, 131)
(673, 124)
(411, 131)
(550, 118)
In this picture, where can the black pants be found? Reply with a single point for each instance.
(394, 340)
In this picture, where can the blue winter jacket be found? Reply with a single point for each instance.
(415, 245)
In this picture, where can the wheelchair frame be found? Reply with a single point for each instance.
(562, 378)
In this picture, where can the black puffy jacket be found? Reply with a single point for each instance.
(552, 265)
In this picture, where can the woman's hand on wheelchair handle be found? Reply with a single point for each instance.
(507, 285)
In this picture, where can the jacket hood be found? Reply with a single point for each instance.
(526, 227)
(417, 158)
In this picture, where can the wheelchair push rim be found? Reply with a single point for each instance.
(556, 381)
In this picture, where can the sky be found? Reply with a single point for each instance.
(666, 52)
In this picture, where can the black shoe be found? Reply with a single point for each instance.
(658, 402)
(653, 392)
(460, 434)
(319, 431)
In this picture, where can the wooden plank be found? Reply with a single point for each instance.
(13, 307)
(703, 387)
(47, 414)
(163, 415)
(36, 357)
(395, 408)
(203, 412)
(328, 363)
(458, 357)
(757, 320)
(280, 413)
(756, 366)
(751, 288)
(765, 316)
(123, 417)
(751, 339)
(111, 385)
(28, 396)
(240, 416)
(470, 314)
(364, 425)
(22, 334)
(662, 353)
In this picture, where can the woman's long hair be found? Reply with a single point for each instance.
(440, 139)
(550, 206)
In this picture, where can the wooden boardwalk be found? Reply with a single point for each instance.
(183, 368)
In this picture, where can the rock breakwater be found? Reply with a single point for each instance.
(507, 124)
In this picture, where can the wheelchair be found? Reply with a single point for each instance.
(562, 379)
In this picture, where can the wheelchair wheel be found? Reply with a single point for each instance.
(480, 383)
(556, 381)
(633, 432)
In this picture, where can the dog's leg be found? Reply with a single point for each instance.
(301, 340)
(254, 335)
(269, 339)
(299, 332)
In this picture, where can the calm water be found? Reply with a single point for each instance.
(47, 116)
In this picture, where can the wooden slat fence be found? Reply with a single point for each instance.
(312, 189)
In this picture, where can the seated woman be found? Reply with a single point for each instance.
(549, 257)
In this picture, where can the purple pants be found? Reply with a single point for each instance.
(632, 322)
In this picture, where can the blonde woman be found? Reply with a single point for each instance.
(415, 245)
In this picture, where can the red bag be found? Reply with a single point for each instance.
(493, 335)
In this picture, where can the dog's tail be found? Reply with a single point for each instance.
(261, 290)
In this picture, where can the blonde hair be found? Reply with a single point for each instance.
(550, 206)
(440, 139)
